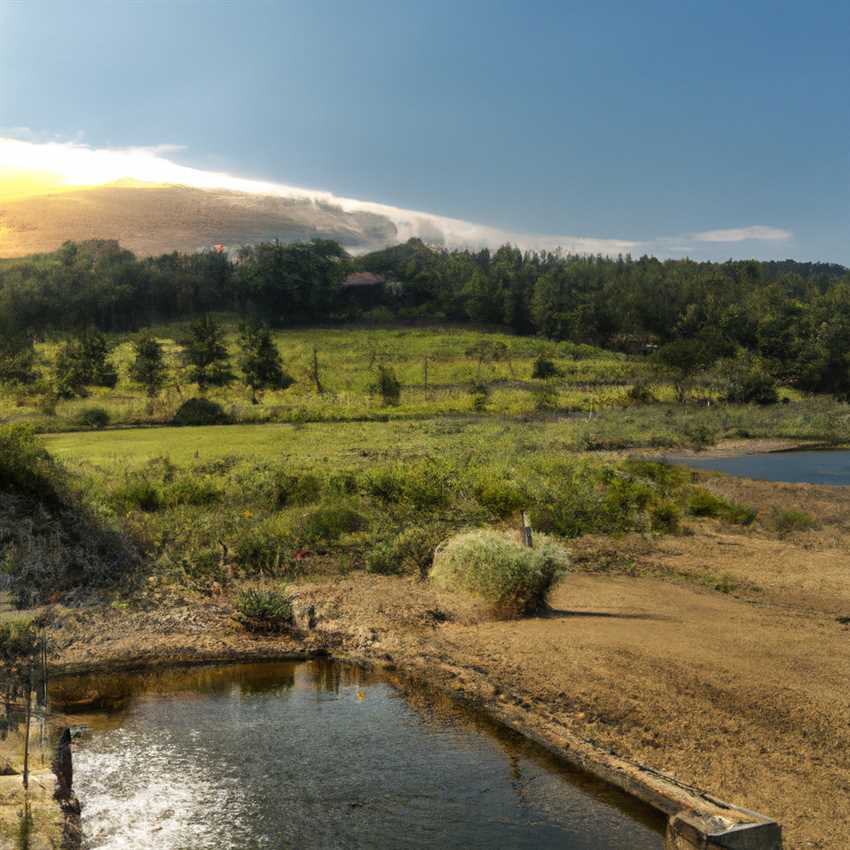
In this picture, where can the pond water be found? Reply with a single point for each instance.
(809, 467)
(320, 755)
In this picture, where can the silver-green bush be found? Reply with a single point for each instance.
(512, 579)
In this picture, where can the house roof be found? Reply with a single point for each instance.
(363, 279)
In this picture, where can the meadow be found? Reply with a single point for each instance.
(339, 480)
(436, 366)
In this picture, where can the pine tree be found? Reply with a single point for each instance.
(148, 368)
(260, 360)
(205, 353)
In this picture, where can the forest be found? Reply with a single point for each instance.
(791, 320)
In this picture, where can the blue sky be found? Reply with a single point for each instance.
(652, 122)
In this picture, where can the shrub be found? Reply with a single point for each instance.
(746, 380)
(545, 396)
(785, 522)
(140, 492)
(702, 503)
(501, 496)
(192, 490)
(665, 517)
(343, 483)
(383, 560)
(328, 523)
(264, 611)
(641, 393)
(93, 417)
(665, 476)
(414, 548)
(544, 368)
(25, 466)
(480, 393)
(425, 485)
(511, 578)
(295, 489)
(388, 385)
(384, 483)
(200, 411)
(263, 546)
(699, 435)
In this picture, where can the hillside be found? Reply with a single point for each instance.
(159, 219)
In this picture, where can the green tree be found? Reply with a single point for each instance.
(83, 362)
(260, 360)
(682, 359)
(205, 353)
(148, 367)
(17, 359)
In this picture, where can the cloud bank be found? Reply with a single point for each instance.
(72, 164)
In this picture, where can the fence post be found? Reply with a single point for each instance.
(525, 531)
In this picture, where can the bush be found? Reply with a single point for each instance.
(200, 411)
(93, 417)
(501, 496)
(192, 490)
(343, 483)
(264, 611)
(263, 546)
(665, 476)
(747, 380)
(383, 560)
(545, 397)
(785, 522)
(388, 385)
(328, 523)
(511, 578)
(25, 466)
(414, 548)
(19, 643)
(702, 503)
(641, 393)
(480, 393)
(544, 368)
(425, 485)
(140, 492)
(665, 517)
(294, 489)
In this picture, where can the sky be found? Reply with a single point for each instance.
(711, 130)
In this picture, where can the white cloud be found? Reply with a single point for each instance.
(760, 232)
(77, 164)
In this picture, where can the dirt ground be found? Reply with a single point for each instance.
(718, 655)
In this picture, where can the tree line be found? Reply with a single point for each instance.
(788, 320)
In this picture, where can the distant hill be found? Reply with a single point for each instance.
(159, 219)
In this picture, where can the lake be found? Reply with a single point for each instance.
(321, 755)
(809, 467)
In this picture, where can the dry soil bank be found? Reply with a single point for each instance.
(742, 692)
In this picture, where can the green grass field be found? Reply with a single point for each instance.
(336, 481)
(436, 367)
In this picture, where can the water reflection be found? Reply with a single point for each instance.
(797, 467)
(320, 755)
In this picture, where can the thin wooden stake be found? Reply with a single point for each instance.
(27, 731)
(316, 380)
(525, 531)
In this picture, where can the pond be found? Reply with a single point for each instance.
(797, 467)
(320, 755)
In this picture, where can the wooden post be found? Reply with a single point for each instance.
(27, 731)
(316, 380)
(425, 371)
(525, 531)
